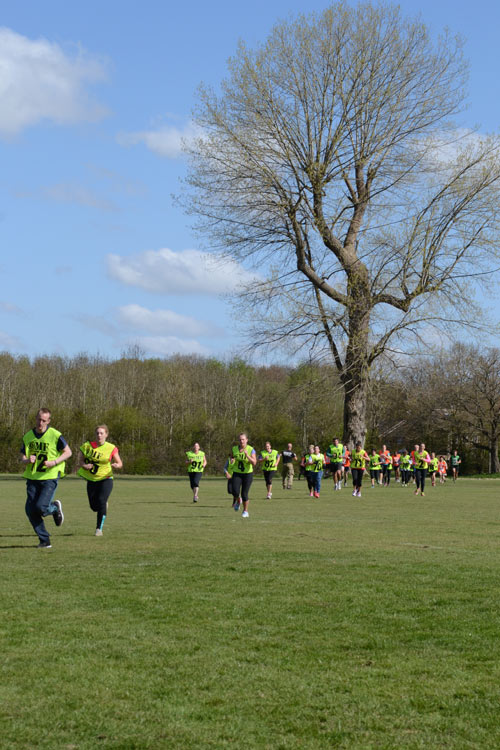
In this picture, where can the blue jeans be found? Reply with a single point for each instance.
(39, 494)
(316, 476)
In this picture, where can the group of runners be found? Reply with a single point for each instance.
(409, 468)
(44, 452)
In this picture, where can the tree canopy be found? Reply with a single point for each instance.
(330, 161)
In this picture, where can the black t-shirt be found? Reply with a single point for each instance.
(288, 456)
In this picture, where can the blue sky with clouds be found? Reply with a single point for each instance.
(95, 98)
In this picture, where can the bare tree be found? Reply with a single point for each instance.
(329, 162)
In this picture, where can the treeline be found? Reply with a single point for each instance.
(157, 408)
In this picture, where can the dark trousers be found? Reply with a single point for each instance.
(420, 478)
(357, 477)
(241, 485)
(98, 494)
(39, 494)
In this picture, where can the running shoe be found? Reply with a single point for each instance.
(58, 514)
(98, 532)
(244, 514)
(44, 545)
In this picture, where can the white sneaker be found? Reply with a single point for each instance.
(244, 514)
(354, 493)
(98, 532)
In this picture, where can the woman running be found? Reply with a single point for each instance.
(317, 473)
(309, 469)
(359, 458)
(270, 459)
(374, 463)
(245, 460)
(98, 459)
(197, 462)
(422, 460)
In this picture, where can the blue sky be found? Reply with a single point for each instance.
(94, 99)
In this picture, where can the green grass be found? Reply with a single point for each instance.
(330, 623)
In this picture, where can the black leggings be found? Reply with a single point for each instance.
(357, 477)
(241, 485)
(405, 476)
(420, 478)
(98, 494)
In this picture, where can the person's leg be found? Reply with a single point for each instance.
(102, 493)
(246, 483)
(290, 476)
(33, 490)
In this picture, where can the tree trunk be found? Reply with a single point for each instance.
(355, 390)
(356, 368)
(494, 461)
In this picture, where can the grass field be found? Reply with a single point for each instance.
(330, 623)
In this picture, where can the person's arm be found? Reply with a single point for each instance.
(116, 463)
(82, 462)
(63, 456)
(252, 457)
(204, 461)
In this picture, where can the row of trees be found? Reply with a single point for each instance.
(157, 408)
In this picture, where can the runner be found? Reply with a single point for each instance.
(388, 469)
(415, 450)
(405, 469)
(97, 460)
(245, 459)
(44, 451)
(375, 467)
(455, 463)
(318, 463)
(384, 453)
(270, 460)
(396, 463)
(358, 463)
(287, 458)
(442, 469)
(336, 453)
(309, 469)
(346, 463)
(433, 467)
(422, 460)
(228, 472)
(197, 462)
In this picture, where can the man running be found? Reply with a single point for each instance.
(44, 451)
(287, 458)
(336, 453)
(455, 463)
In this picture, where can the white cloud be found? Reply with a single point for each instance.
(160, 321)
(38, 80)
(8, 342)
(166, 141)
(186, 272)
(9, 307)
(166, 345)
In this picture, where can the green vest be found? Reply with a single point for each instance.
(100, 458)
(358, 459)
(433, 466)
(319, 461)
(196, 459)
(375, 462)
(336, 452)
(420, 462)
(309, 462)
(270, 458)
(405, 463)
(242, 464)
(45, 449)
